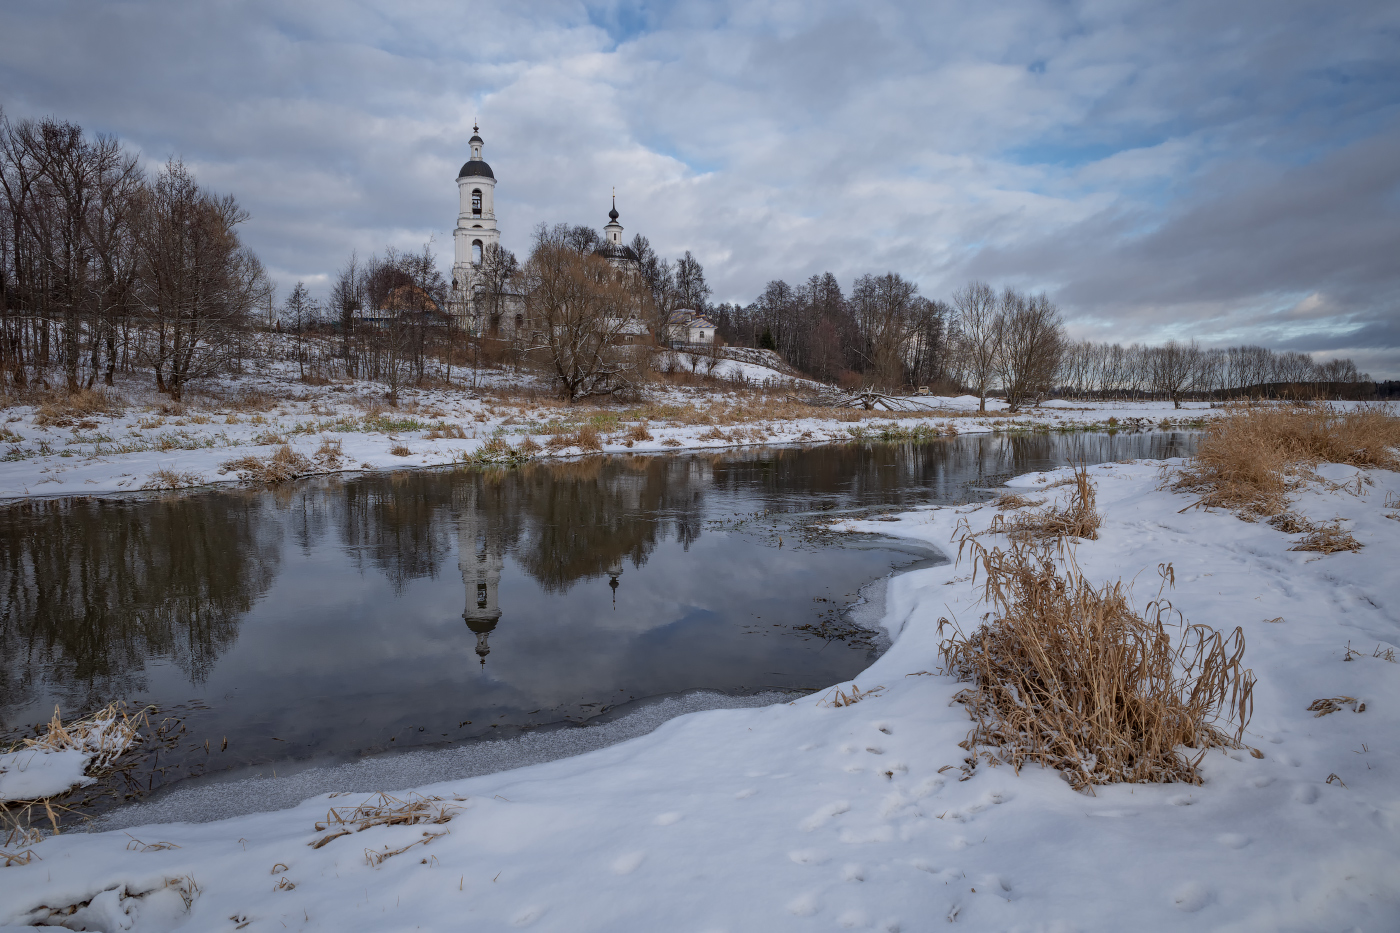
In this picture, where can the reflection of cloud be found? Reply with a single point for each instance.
(1161, 167)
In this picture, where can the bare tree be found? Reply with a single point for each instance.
(1175, 368)
(585, 309)
(198, 282)
(1029, 342)
(979, 332)
(300, 313)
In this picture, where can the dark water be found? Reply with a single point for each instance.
(346, 617)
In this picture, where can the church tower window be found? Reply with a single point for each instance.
(476, 203)
(476, 252)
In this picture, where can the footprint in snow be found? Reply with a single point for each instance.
(1180, 800)
(528, 916)
(1191, 896)
(808, 856)
(1306, 793)
(626, 864)
(823, 815)
(666, 819)
(883, 727)
(804, 905)
(852, 919)
(852, 872)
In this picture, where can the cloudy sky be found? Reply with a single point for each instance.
(1228, 172)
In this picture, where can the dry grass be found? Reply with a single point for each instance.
(105, 735)
(446, 429)
(286, 464)
(165, 478)
(1251, 460)
(399, 450)
(329, 453)
(586, 437)
(1322, 707)
(1011, 500)
(639, 432)
(62, 410)
(1328, 539)
(385, 810)
(250, 399)
(1077, 518)
(838, 697)
(1069, 675)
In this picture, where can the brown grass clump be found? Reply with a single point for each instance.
(330, 452)
(1067, 674)
(1078, 518)
(165, 478)
(283, 465)
(384, 810)
(399, 450)
(1328, 539)
(585, 438)
(250, 399)
(1011, 500)
(1252, 459)
(639, 432)
(62, 410)
(670, 442)
(446, 429)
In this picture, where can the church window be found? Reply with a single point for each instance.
(476, 202)
(481, 596)
(476, 252)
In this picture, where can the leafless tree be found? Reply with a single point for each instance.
(198, 282)
(1029, 343)
(585, 310)
(979, 333)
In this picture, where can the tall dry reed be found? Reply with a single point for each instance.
(1252, 459)
(1067, 674)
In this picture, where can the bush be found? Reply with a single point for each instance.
(1068, 675)
(1253, 458)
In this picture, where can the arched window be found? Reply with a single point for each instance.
(519, 320)
(476, 202)
(476, 252)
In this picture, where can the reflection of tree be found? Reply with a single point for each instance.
(396, 522)
(90, 589)
(585, 517)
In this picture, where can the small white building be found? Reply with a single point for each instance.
(690, 327)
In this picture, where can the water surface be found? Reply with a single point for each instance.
(345, 617)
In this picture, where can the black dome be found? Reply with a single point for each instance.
(616, 251)
(476, 167)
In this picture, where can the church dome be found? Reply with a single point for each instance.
(478, 168)
(616, 251)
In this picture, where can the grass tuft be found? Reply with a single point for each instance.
(1067, 674)
(1251, 460)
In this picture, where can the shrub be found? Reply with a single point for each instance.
(1068, 675)
(399, 450)
(1252, 459)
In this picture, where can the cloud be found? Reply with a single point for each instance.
(1192, 169)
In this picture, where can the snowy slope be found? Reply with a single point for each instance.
(805, 817)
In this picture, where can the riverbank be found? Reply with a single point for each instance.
(812, 815)
(271, 426)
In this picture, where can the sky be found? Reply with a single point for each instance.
(1223, 172)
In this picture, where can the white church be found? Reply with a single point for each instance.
(477, 237)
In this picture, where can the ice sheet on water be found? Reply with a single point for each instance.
(207, 801)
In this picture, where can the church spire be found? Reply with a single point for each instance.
(613, 231)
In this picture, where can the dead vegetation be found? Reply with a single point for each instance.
(1252, 460)
(1328, 539)
(1067, 674)
(64, 409)
(104, 735)
(838, 698)
(386, 810)
(286, 464)
(1322, 707)
(166, 478)
(1076, 518)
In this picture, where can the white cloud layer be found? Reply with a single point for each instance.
(1229, 172)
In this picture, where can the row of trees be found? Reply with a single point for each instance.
(103, 267)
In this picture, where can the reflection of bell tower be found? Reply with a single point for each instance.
(480, 559)
(614, 572)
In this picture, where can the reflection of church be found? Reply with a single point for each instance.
(480, 558)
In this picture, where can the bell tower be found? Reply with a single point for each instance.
(476, 224)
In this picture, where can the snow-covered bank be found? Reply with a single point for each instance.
(807, 816)
(221, 436)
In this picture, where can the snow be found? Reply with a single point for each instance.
(32, 772)
(801, 815)
(46, 770)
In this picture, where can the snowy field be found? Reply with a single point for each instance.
(349, 427)
(805, 816)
